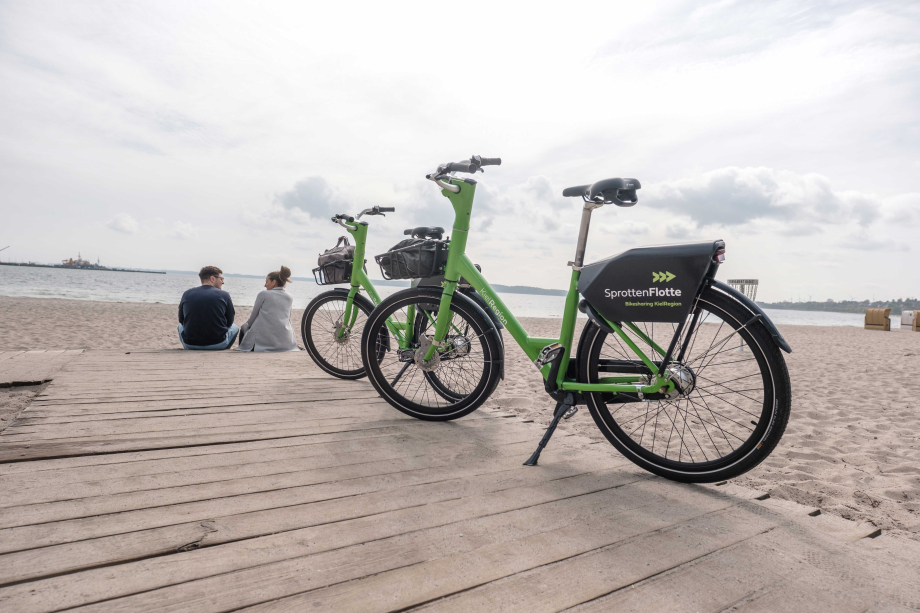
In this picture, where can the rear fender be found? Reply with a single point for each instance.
(755, 310)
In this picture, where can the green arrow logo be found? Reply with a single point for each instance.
(662, 277)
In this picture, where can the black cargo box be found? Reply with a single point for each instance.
(648, 283)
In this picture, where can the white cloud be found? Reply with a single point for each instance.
(778, 126)
(184, 231)
(124, 223)
(733, 196)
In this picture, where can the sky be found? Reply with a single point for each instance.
(173, 135)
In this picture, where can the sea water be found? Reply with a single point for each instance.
(111, 286)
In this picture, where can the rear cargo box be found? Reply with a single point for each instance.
(648, 283)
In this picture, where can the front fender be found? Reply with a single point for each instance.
(466, 299)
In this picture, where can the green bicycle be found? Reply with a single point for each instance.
(683, 374)
(333, 322)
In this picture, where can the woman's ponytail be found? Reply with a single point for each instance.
(281, 277)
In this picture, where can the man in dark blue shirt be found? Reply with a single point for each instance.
(206, 314)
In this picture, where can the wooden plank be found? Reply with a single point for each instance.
(40, 416)
(713, 582)
(32, 367)
(275, 415)
(53, 457)
(415, 568)
(29, 535)
(550, 589)
(39, 491)
(140, 458)
(40, 513)
(164, 401)
(61, 449)
(377, 413)
(243, 541)
(25, 450)
(19, 484)
(426, 582)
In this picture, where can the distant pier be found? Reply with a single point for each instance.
(62, 267)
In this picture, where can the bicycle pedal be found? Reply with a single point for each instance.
(570, 413)
(548, 354)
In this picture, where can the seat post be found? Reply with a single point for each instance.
(583, 234)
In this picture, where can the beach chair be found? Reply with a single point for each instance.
(916, 325)
(877, 319)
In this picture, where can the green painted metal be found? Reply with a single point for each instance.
(574, 386)
(623, 379)
(360, 280)
(458, 264)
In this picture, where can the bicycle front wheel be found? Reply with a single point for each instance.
(460, 376)
(331, 342)
(734, 401)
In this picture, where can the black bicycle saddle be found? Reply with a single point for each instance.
(621, 192)
(426, 232)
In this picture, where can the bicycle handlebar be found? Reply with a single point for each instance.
(459, 167)
(476, 162)
(387, 209)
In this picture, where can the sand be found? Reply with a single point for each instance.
(852, 447)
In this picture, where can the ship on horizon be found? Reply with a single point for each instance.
(80, 264)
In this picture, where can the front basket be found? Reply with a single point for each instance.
(426, 259)
(331, 273)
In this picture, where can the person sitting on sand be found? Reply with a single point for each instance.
(206, 314)
(269, 326)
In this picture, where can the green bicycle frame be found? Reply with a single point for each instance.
(360, 280)
(458, 264)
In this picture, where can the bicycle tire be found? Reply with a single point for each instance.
(768, 428)
(481, 376)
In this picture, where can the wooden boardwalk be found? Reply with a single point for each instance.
(180, 481)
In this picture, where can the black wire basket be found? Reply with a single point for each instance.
(423, 259)
(332, 273)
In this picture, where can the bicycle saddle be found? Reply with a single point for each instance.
(426, 232)
(621, 192)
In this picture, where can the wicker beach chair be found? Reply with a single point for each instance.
(877, 319)
(916, 325)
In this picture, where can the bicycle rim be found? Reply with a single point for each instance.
(465, 369)
(727, 413)
(338, 355)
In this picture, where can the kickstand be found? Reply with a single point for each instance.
(561, 409)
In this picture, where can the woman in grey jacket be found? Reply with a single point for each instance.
(269, 326)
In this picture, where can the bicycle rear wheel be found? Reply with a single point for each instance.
(735, 401)
(456, 381)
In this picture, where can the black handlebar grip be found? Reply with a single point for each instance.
(387, 209)
(491, 162)
(461, 167)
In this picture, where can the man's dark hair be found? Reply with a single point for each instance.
(209, 271)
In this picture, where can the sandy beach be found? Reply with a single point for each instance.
(852, 447)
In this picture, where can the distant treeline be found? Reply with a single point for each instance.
(847, 306)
